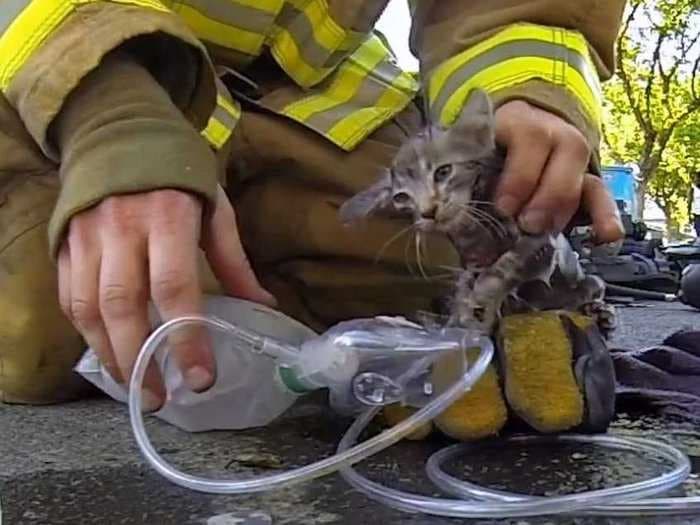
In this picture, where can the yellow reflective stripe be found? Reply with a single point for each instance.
(326, 31)
(365, 91)
(344, 85)
(307, 43)
(513, 72)
(152, 4)
(26, 33)
(235, 14)
(216, 133)
(229, 106)
(520, 53)
(10, 10)
(513, 33)
(224, 118)
(270, 6)
(225, 35)
(35, 23)
(349, 131)
(287, 55)
(241, 25)
(394, 93)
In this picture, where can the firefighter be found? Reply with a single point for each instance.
(130, 131)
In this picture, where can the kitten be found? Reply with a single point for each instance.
(445, 179)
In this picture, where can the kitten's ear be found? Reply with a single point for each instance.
(367, 202)
(477, 120)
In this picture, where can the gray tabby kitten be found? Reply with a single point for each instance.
(445, 178)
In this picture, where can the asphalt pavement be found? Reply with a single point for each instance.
(78, 464)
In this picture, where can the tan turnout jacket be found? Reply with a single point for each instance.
(331, 73)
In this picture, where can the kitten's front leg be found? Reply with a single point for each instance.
(530, 256)
(461, 307)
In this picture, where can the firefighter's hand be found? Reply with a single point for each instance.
(545, 179)
(132, 249)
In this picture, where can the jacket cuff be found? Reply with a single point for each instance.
(547, 66)
(119, 133)
(45, 71)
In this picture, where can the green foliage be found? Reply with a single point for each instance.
(652, 107)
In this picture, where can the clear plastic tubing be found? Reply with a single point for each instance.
(477, 502)
(303, 474)
(619, 506)
(485, 503)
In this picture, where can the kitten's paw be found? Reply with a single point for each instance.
(479, 315)
(604, 315)
(487, 317)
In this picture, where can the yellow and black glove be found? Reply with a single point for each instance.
(553, 372)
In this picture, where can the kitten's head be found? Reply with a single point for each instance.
(436, 174)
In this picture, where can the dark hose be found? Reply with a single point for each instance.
(639, 294)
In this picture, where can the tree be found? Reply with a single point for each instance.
(652, 107)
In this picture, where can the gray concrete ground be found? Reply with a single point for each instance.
(78, 464)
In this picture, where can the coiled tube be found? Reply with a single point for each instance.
(624, 500)
(474, 501)
(479, 502)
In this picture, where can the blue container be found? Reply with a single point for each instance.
(620, 181)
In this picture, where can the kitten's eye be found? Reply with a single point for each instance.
(441, 174)
(401, 197)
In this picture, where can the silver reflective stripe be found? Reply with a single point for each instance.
(366, 96)
(336, 57)
(224, 117)
(234, 14)
(9, 10)
(507, 51)
(386, 72)
(299, 26)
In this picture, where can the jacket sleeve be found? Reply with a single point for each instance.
(88, 77)
(551, 53)
(120, 132)
(48, 46)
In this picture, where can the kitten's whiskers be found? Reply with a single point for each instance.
(455, 269)
(472, 219)
(393, 238)
(488, 215)
(419, 252)
(475, 212)
(490, 220)
(405, 259)
(477, 201)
